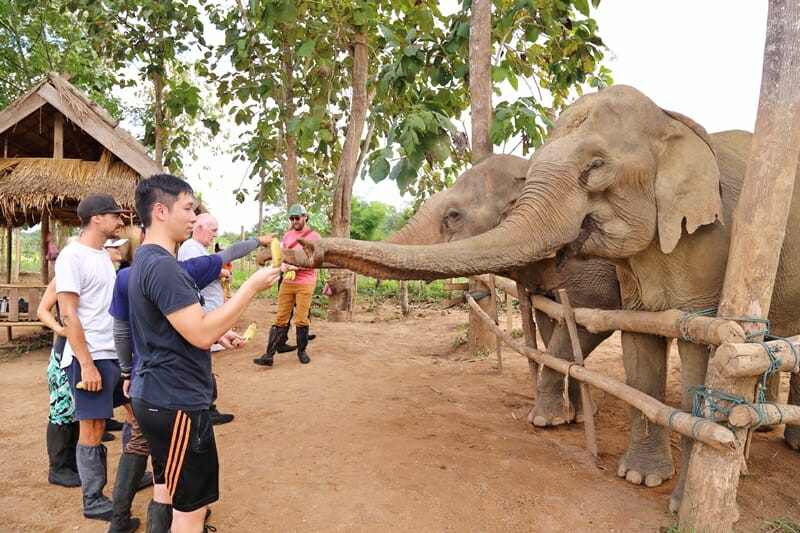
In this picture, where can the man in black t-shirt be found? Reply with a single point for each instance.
(173, 387)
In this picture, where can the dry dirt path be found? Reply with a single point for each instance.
(388, 429)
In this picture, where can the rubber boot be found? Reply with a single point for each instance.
(73, 431)
(302, 341)
(277, 335)
(129, 473)
(159, 517)
(93, 468)
(61, 451)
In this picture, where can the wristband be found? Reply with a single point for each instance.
(125, 375)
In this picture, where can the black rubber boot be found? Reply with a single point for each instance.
(283, 348)
(302, 341)
(129, 474)
(159, 517)
(277, 336)
(61, 450)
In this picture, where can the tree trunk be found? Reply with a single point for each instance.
(289, 160)
(757, 231)
(158, 126)
(340, 302)
(480, 90)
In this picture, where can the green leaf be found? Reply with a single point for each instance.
(306, 49)
(410, 50)
(379, 169)
(582, 6)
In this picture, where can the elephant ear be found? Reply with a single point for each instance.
(687, 181)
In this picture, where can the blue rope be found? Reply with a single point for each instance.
(707, 398)
(679, 324)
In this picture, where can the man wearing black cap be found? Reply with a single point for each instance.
(84, 285)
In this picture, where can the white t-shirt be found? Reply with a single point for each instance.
(89, 273)
(213, 295)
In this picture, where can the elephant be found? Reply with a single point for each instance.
(478, 201)
(622, 179)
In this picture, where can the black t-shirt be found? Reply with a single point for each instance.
(171, 373)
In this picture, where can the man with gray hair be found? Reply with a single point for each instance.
(204, 232)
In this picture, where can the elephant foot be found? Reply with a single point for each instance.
(550, 411)
(580, 416)
(646, 468)
(791, 435)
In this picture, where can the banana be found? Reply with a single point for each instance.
(289, 275)
(275, 247)
(250, 332)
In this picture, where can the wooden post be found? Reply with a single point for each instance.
(9, 239)
(17, 255)
(529, 332)
(404, 309)
(586, 394)
(44, 264)
(757, 231)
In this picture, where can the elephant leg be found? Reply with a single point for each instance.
(792, 433)
(551, 409)
(648, 459)
(694, 364)
(545, 325)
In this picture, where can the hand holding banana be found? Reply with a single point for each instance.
(275, 248)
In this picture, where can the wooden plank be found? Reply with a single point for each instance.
(19, 110)
(529, 334)
(13, 304)
(586, 394)
(31, 323)
(701, 329)
(133, 156)
(58, 136)
(455, 286)
(751, 358)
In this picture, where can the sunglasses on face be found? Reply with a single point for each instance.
(294, 217)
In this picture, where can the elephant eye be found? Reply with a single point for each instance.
(452, 214)
(597, 163)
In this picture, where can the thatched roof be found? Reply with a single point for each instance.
(58, 147)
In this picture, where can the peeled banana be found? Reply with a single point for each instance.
(275, 247)
(250, 332)
(290, 274)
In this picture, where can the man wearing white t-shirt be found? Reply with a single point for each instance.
(84, 285)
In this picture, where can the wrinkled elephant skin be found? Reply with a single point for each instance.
(622, 179)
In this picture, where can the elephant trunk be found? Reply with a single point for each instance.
(527, 235)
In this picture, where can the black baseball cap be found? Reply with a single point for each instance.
(98, 204)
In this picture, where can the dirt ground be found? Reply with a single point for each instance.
(390, 428)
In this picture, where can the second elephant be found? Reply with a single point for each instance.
(478, 201)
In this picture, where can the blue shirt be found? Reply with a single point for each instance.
(171, 372)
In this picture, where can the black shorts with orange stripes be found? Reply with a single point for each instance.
(183, 451)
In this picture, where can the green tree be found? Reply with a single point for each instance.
(158, 45)
(40, 36)
(549, 47)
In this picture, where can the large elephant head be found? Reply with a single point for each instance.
(616, 176)
(477, 201)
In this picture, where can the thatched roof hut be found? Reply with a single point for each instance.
(57, 147)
